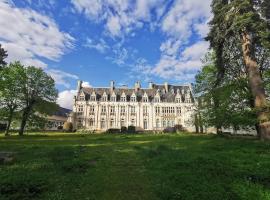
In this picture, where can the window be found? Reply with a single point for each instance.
(91, 122)
(122, 110)
(145, 110)
(112, 110)
(93, 97)
(80, 108)
(103, 109)
(178, 110)
(145, 99)
(133, 98)
(92, 109)
(102, 124)
(157, 110)
(188, 100)
(145, 124)
(132, 109)
(104, 98)
(164, 123)
(156, 99)
(132, 122)
(157, 123)
(113, 98)
(112, 123)
(178, 99)
(123, 99)
(122, 123)
(81, 98)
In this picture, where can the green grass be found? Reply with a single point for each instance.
(73, 166)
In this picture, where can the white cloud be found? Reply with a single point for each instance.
(100, 46)
(196, 51)
(120, 16)
(62, 78)
(65, 98)
(28, 35)
(86, 84)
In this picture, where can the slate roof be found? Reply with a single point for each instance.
(62, 112)
(164, 96)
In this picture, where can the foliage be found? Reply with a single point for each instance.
(131, 129)
(68, 127)
(174, 166)
(113, 130)
(123, 129)
(3, 56)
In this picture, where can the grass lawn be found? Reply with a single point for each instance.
(178, 166)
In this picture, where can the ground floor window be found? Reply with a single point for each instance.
(157, 123)
(91, 122)
(112, 123)
(102, 124)
(122, 123)
(145, 124)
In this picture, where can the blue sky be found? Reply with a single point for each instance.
(101, 40)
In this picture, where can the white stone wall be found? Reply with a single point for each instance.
(143, 119)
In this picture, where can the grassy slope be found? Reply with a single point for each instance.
(135, 167)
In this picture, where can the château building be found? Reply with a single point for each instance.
(153, 108)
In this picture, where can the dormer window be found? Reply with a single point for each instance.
(172, 91)
(133, 98)
(93, 97)
(157, 97)
(104, 97)
(145, 98)
(81, 98)
(113, 97)
(123, 97)
(178, 99)
(188, 99)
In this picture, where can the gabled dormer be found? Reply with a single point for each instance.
(133, 97)
(188, 98)
(123, 97)
(81, 96)
(104, 97)
(145, 97)
(178, 98)
(93, 96)
(113, 97)
(157, 97)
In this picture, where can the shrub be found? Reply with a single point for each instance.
(59, 127)
(131, 129)
(179, 128)
(123, 129)
(113, 130)
(169, 130)
(68, 127)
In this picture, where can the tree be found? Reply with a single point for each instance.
(244, 24)
(38, 91)
(3, 56)
(10, 93)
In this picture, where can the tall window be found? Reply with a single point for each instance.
(112, 123)
(112, 110)
(122, 110)
(178, 110)
(145, 110)
(122, 123)
(145, 124)
(102, 124)
(157, 110)
(92, 109)
(132, 109)
(80, 108)
(91, 122)
(103, 109)
(157, 123)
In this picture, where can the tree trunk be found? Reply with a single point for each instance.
(24, 120)
(9, 122)
(256, 86)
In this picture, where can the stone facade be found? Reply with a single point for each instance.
(152, 108)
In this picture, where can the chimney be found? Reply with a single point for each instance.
(151, 85)
(166, 86)
(112, 86)
(137, 86)
(79, 85)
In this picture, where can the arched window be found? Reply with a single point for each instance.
(157, 123)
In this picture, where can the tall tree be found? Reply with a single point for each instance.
(10, 93)
(38, 90)
(241, 21)
(3, 56)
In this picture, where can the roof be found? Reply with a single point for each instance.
(169, 96)
(62, 112)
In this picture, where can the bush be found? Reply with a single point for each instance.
(179, 128)
(60, 128)
(131, 129)
(169, 130)
(113, 130)
(3, 127)
(68, 127)
(123, 129)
